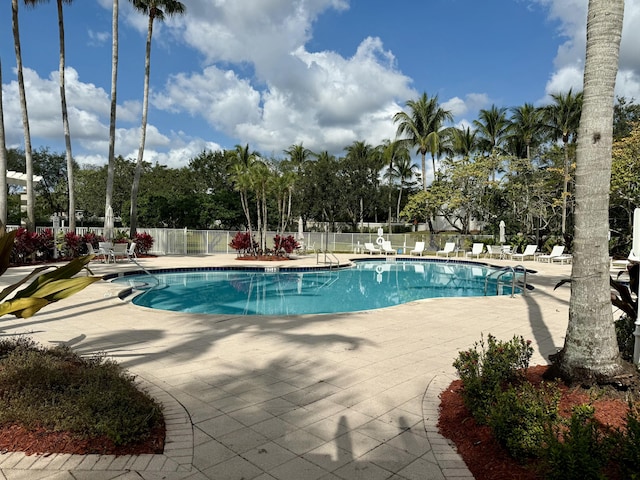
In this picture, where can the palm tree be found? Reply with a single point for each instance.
(590, 354)
(423, 128)
(242, 161)
(155, 9)
(527, 126)
(65, 116)
(112, 118)
(392, 153)
(31, 218)
(492, 127)
(404, 170)
(562, 118)
(3, 166)
(464, 142)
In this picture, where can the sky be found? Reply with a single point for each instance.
(274, 73)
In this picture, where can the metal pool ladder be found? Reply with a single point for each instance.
(503, 271)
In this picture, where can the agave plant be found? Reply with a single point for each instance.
(45, 288)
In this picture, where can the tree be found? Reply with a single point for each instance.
(361, 166)
(155, 9)
(590, 353)
(492, 128)
(112, 116)
(31, 219)
(65, 115)
(423, 128)
(526, 127)
(3, 166)
(626, 114)
(562, 119)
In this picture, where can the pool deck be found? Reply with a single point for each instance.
(309, 397)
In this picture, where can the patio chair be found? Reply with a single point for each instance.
(105, 251)
(557, 251)
(131, 252)
(418, 249)
(565, 257)
(119, 251)
(371, 249)
(476, 250)
(529, 251)
(494, 250)
(387, 249)
(449, 247)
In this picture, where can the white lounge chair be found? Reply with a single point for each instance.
(557, 251)
(565, 257)
(418, 249)
(371, 249)
(476, 250)
(105, 251)
(529, 251)
(449, 247)
(494, 250)
(387, 249)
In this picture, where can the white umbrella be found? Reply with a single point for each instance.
(635, 245)
(108, 224)
(300, 229)
(503, 239)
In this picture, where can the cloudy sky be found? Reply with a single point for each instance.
(273, 73)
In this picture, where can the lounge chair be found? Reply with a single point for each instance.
(449, 247)
(418, 249)
(371, 249)
(529, 251)
(476, 250)
(565, 257)
(387, 249)
(494, 250)
(557, 251)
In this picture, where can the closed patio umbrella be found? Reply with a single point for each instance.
(108, 224)
(503, 238)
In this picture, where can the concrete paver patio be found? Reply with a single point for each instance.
(338, 396)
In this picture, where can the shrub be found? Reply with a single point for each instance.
(521, 416)
(91, 238)
(486, 370)
(288, 244)
(144, 243)
(71, 244)
(59, 390)
(579, 451)
(625, 326)
(243, 243)
(627, 447)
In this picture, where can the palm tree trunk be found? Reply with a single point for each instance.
(590, 352)
(112, 117)
(565, 190)
(3, 166)
(65, 124)
(424, 172)
(133, 221)
(31, 218)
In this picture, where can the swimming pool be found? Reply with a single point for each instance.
(367, 285)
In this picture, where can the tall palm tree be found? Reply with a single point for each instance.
(3, 166)
(65, 115)
(112, 117)
(393, 153)
(464, 142)
(492, 127)
(423, 128)
(31, 218)
(527, 126)
(156, 10)
(590, 354)
(562, 118)
(404, 171)
(242, 160)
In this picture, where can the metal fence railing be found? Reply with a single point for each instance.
(167, 241)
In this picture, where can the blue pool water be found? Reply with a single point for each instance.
(365, 286)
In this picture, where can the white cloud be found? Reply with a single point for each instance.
(571, 16)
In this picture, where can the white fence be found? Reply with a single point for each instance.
(168, 241)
